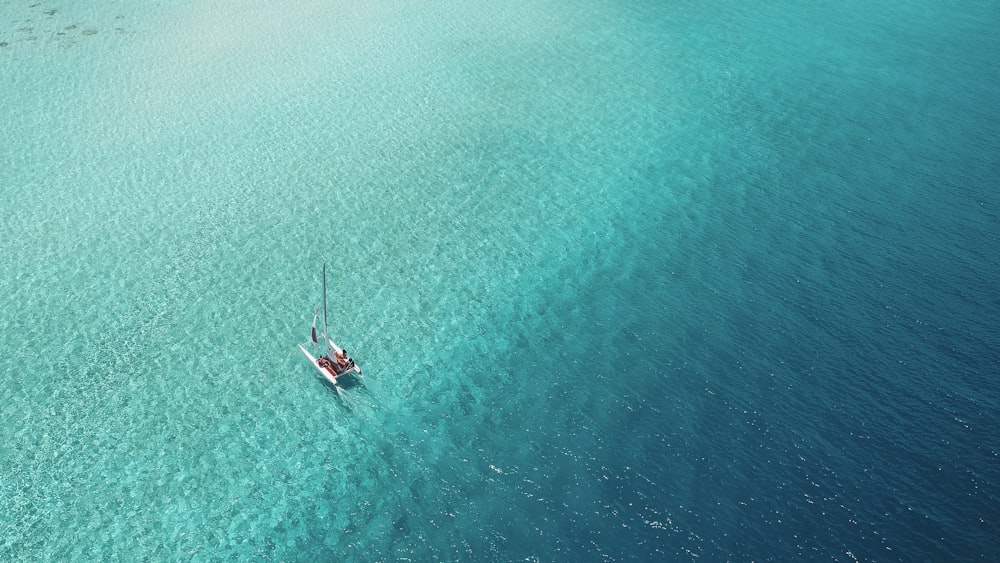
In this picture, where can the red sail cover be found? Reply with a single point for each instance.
(316, 314)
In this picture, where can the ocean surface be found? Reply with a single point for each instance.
(629, 281)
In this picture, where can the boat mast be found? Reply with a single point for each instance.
(326, 330)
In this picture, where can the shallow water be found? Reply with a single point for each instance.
(628, 281)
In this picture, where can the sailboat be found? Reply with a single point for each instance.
(330, 360)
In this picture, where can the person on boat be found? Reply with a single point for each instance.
(325, 363)
(341, 358)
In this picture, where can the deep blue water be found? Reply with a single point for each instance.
(629, 281)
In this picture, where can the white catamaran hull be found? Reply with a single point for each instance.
(315, 363)
(325, 372)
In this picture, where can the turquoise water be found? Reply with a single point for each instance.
(629, 281)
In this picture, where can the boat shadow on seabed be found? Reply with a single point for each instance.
(346, 390)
